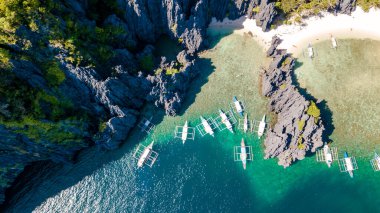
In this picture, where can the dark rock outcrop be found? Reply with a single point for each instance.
(169, 91)
(346, 6)
(296, 132)
(266, 15)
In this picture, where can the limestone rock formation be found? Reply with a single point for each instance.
(346, 6)
(296, 132)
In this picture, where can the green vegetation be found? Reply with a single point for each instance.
(172, 71)
(301, 124)
(256, 9)
(367, 4)
(147, 63)
(38, 130)
(300, 144)
(36, 114)
(314, 111)
(102, 126)
(53, 73)
(292, 7)
(4, 58)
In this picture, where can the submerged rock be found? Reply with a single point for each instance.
(295, 133)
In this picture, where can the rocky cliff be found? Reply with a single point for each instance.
(299, 128)
(102, 70)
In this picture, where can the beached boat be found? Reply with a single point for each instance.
(333, 42)
(207, 127)
(328, 155)
(225, 120)
(145, 155)
(261, 129)
(239, 108)
(349, 165)
(184, 132)
(310, 51)
(243, 153)
(245, 128)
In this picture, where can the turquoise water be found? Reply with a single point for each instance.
(201, 175)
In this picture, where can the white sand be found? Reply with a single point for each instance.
(296, 38)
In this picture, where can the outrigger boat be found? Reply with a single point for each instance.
(207, 127)
(245, 127)
(328, 155)
(333, 42)
(239, 108)
(349, 165)
(261, 129)
(145, 155)
(375, 162)
(225, 120)
(310, 51)
(184, 132)
(243, 154)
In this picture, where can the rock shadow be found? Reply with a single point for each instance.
(45, 179)
(326, 113)
(205, 69)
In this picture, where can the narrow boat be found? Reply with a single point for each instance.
(144, 155)
(245, 123)
(184, 132)
(239, 108)
(349, 165)
(328, 155)
(377, 160)
(207, 127)
(310, 51)
(261, 129)
(225, 120)
(243, 153)
(333, 42)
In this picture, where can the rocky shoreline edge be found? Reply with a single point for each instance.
(299, 127)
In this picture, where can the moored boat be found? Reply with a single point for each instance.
(144, 155)
(377, 160)
(239, 108)
(243, 153)
(349, 165)
(245, 127)
(207, 127)
(333, 42)
(310, 51)
(225, 120)
(261, 129)
(328, 155)
(184, 132)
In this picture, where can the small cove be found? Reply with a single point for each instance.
(201, 175)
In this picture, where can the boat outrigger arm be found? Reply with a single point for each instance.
(184, 132)
(145, 155)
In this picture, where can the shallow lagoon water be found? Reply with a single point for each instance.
(201, 175)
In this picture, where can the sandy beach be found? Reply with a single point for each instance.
(314, 29)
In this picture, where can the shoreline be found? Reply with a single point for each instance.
(358, 25)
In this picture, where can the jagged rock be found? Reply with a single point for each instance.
(168, 91)
(120, 96)
(346, 6)
(274, 44)
(28, 72)
(266, 16)
(285, 140)
(117, 129)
